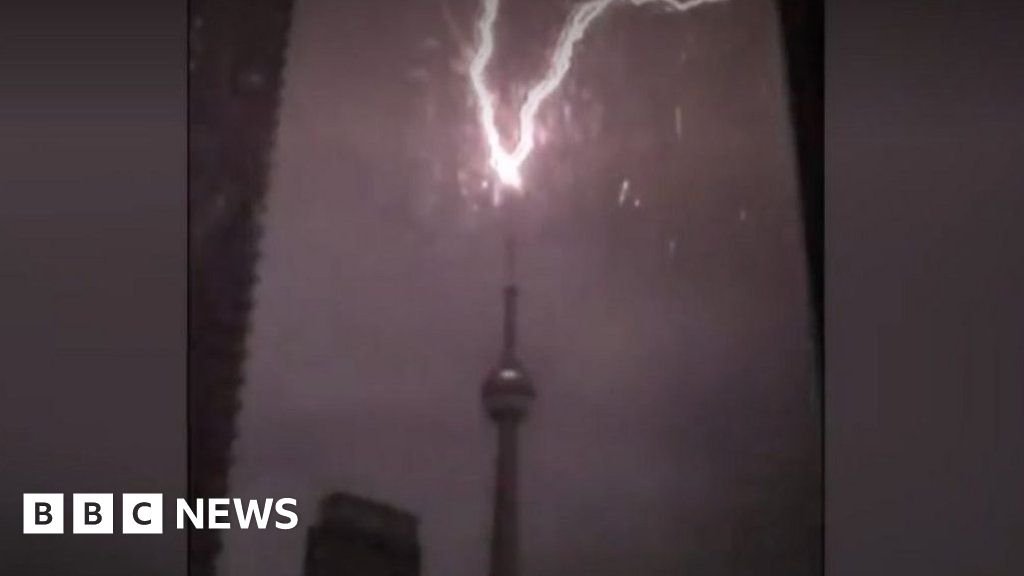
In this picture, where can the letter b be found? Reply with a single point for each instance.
(42, 514)
(92, 514)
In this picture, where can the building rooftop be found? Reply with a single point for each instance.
(340, 510)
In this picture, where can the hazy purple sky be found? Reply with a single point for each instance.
(675, 428)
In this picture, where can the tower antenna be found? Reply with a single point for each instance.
(511, 291)
(510, 255)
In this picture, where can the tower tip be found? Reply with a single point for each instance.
(510, 258)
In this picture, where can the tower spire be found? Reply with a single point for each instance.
(511, 296)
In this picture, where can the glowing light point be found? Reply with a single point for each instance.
(507, 171)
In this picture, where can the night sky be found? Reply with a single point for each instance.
(665, 321)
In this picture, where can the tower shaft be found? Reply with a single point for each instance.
(505, 523)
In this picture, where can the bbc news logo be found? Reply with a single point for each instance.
(143, 514)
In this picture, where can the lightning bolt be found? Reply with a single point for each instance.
(507, 163)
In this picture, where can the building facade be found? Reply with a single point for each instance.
(235, 61)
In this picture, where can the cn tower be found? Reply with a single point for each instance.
(507, 394)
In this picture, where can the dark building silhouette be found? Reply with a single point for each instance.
(236, 55)
(803, 28)
(358, 537)
(803, 36)
(507, 395)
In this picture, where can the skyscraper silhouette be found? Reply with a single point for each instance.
(361, 537)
